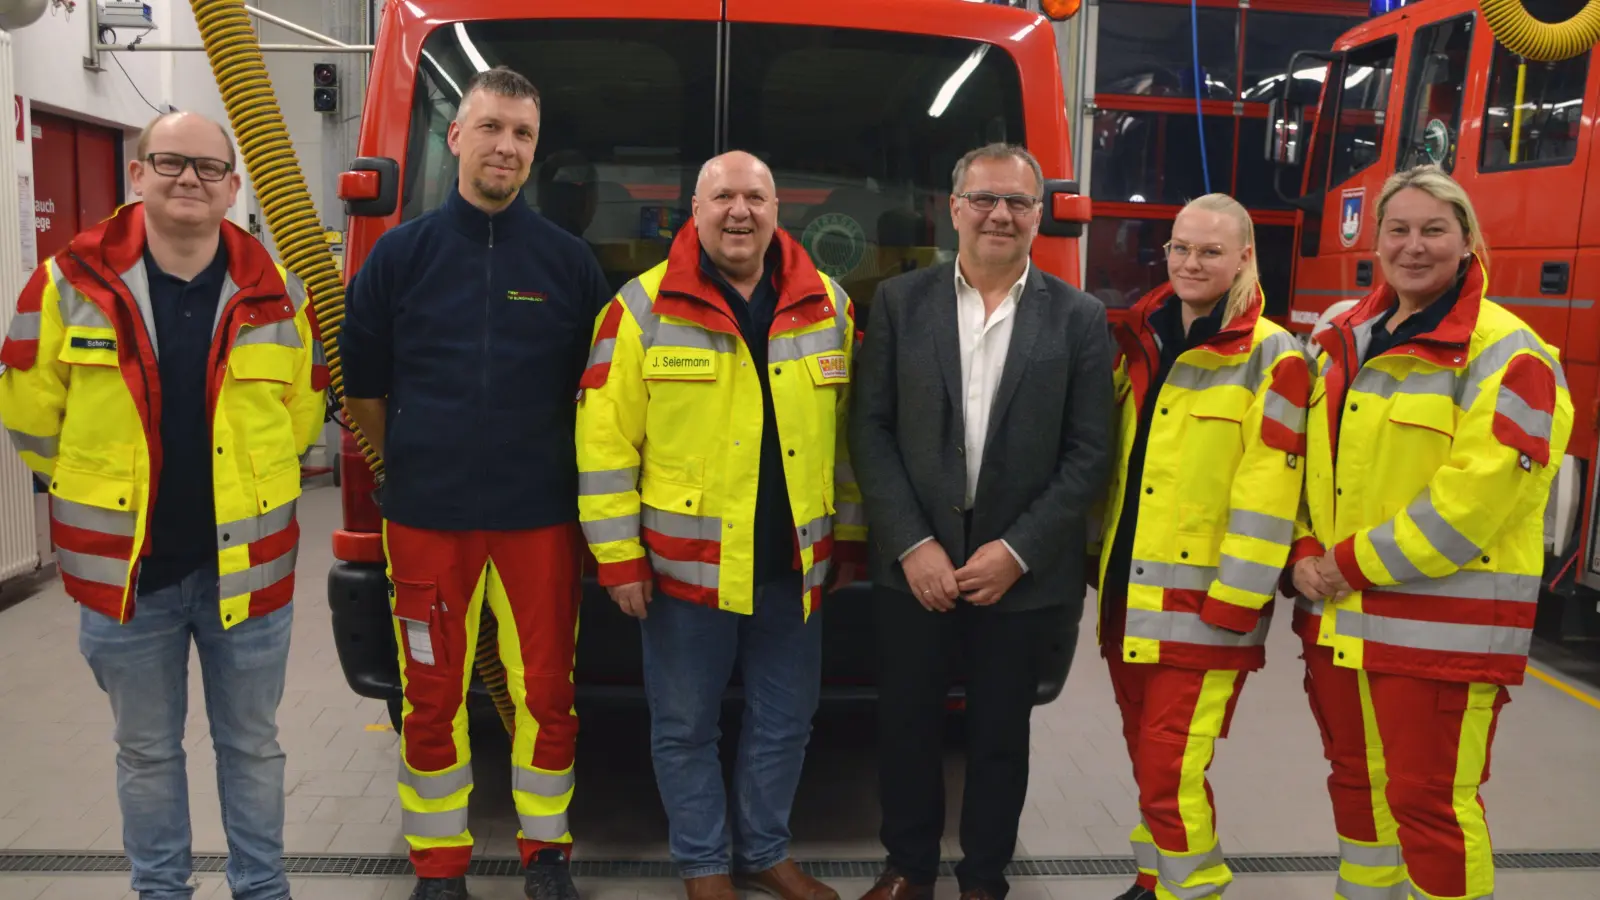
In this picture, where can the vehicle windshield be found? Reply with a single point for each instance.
(630, 111)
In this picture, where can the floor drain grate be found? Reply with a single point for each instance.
(26, 862)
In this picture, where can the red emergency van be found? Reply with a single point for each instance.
(860, 107)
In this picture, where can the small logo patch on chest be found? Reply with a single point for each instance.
(832, 366)
(527, 296)
(88, 343)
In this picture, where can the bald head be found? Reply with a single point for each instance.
(735, 212)
(185, 123)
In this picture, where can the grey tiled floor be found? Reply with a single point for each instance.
(56, 787)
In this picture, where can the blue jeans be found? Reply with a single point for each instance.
(689, 655)
(144, 667)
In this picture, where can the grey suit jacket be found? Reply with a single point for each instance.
(1048, 449)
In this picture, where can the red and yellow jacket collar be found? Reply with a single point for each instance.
(1440, 346)
(1141, 331)
(113, 246)
(686, 292)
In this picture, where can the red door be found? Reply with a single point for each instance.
(75, 176)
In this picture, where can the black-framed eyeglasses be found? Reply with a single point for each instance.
(984, 201)
(206, 168)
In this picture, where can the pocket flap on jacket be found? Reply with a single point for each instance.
(93, 489)
(414, 600)
(83, 345)
(669, 496)
(263, 362)
(1434, 412)
(1226, 403)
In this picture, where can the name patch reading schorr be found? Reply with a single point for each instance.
(89, 343)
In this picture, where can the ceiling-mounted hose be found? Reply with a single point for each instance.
(1522, 34)
(257, 121)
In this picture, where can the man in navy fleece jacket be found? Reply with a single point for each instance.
(465, 334)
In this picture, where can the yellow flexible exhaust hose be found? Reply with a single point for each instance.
(1524, 35)
(257, 122)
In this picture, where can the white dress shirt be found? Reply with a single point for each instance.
(985, 341)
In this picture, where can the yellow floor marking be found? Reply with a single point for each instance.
(1565, 688)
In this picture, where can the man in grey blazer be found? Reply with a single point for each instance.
(980, 435)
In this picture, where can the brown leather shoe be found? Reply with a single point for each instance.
(894, 886)
(787, 882)
(710, 887)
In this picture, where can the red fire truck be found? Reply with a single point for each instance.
(861, 108)
(1430, 83)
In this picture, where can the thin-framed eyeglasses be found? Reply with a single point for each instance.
(985, 201)
(1208, 253)
(206, 168)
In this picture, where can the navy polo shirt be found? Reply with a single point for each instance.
(183, 523)
(774, 525)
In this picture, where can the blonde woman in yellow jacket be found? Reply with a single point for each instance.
(1438, 419)
(1212, 404)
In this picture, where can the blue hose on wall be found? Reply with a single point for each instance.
(1199, 116)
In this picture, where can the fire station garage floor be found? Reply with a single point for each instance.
(60, 832)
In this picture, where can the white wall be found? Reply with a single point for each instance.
(50, 75)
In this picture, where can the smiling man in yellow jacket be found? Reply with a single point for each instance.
(163, 376)
(710, 422)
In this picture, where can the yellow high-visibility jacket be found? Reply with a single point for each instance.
(669, 431)
(80, 399)
(1220, 486)
(1429, 469)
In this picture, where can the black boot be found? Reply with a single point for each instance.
(441, 889)
(1138, 893)
(549, 877)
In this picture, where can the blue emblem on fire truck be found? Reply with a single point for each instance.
(1350, 204)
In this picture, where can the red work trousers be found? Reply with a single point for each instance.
(440, 581)
(1408, 756)
(1171, 719)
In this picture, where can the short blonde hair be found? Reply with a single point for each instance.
(141, 147)
(1432, 180)
(1247, 283)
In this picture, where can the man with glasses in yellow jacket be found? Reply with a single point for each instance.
(710, 424)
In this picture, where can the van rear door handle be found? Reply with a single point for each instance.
(1553, 278)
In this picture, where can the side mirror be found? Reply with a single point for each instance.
(1285, 131)
(1066, 212)
(370, 187)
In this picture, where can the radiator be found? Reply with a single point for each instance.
(19, 538)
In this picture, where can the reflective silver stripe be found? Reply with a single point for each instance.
(24, 326)
(1325, 365)
(1444, 637)
(698, 574)
(1497, 356)
(638, 304)
(38, 445)
(541, 783)
(1472, 585)
(787, 348)
(319, 355)
(1533, 421)
(601, 352)
(1248, 575)
(1363, 335)
(1282, 410)
(419, 640)
(448, 823)
(260, 576)
(671, 334)
(843, 472)
(1177, 576)
(817, 575)
(229, 288)
(1394, 559)
(815, 530)
(1178, 869)
(98, 569)
(850, 515)
(119, 522)
(1451, 544)
(605, 531)
(1145, 856)
(608, 481)
(1312, 607)
(1378, 383)
(1200, 378)
(681, 525)
(1349, 890)
(1381, 856)
(543, 828)
(297, 291)
(1247, 523)
(1198, 892)
(244, 531)
(1187, 628)
(282, 333)
(138, 284)
(79, 310)
(436, 786)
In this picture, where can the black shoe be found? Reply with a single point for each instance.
(1138, 893)
(441, 889)
(549, 877)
